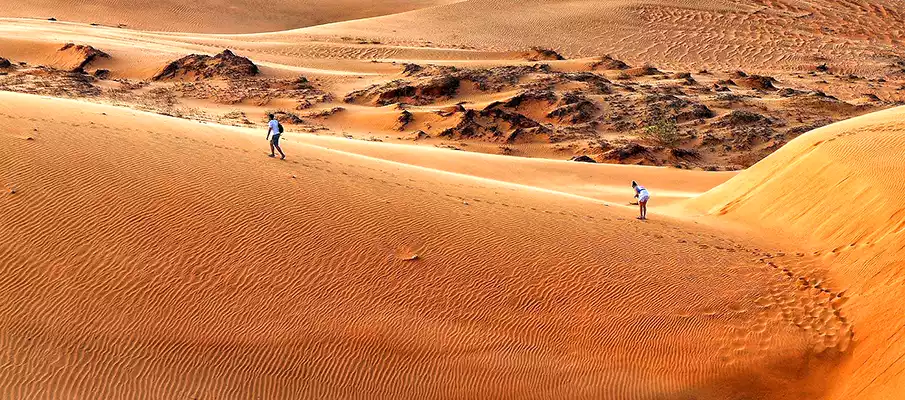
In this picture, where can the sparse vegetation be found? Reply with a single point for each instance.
(663, 132)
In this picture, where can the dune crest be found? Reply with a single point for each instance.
(839, 189)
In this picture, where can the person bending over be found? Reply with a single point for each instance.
(643, 196)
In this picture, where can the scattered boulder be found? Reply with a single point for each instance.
(600, 84)
(685, 77)
(757, 82)
(626, 151)
(4, 63)
(325, 113)
(420, 92)
(573, 108)
(495, 124)
(428, 70)
(608, 63)
(583, 158)
(432, 83)
(287, 117)
(541, 54)
(789, 92)
(412, 69)
(684, 153)
(644, 70)
(822, 68)
(498, 78)
(102, 73)
(742, 117)
(541, 96)
(76, 56)
(405, 117)
(696, 111)
(200, 66)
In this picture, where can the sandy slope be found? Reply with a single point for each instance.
(246, 16)
(840, 188)
(606, 182)
(148, 257)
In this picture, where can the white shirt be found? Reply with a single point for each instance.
(274, 127)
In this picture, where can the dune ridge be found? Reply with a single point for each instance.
(838, 189)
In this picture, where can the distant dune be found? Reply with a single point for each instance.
(747, 34)
(210, 16)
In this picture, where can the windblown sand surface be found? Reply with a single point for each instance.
(839, 189)
(751, 34)
(149, 248)
(153, 257)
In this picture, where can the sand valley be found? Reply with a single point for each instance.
(454, 218)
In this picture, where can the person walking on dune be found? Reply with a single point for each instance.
(276, 129)
(643, 196)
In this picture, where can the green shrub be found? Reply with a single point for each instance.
(664, 132)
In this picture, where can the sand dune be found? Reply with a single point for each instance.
(749, 34)
(602, 182)
(213, 16)
(150, 257)
(839, 189)
(155, 257)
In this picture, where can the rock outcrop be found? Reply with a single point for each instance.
(200, 66)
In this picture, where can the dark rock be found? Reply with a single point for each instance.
(495, 124)
(199, 66)
(642, 71)
(404, 119)
(758, 82)
(697, 112)
(412, 69)
(102, 74)
(544, 96)
(608, 63)
(573, 108)
(789, 92)
(583, 158)
(684, 153)
(287, 117)
(625, 152)
(742, 117)
(539, 54)
(85, 54)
